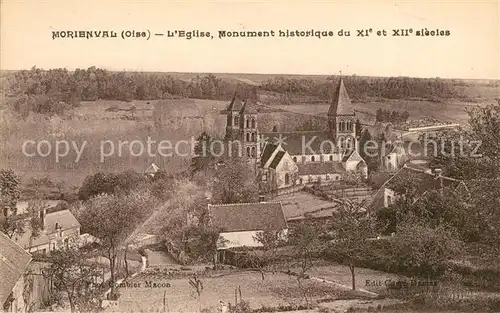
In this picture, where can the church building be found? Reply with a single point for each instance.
(286, 159)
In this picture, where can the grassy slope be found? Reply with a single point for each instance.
(275, 290)
(93, 124)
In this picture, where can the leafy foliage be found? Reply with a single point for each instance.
(235, 183)
(53, 91)
(109, 183)
(351, 228)
(73, 275)
(9, 189)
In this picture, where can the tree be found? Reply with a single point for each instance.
(9, 190)
(270, 239)
(72, 273)
(197, 286)
(235, 183)
(110, 183)
(12, 224)
(112, 219)
(424, 250)
(351, 228)
(203, 157)
(359, 129)
(372, 162)
(304, 238)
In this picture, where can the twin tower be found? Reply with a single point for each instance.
(241, 124)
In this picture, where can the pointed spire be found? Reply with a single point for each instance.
(235, 104)
(249, 107)
(341, 103)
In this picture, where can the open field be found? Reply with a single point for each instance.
(98, 131)
(97, 122)
(275, 290)
(452, 111)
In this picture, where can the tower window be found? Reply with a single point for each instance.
(253, 136)
(236, 121)
(248, 151)
(253, 123)
(248, 123)
(248, 136)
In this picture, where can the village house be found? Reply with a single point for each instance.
(394, 156)
(241, 222)
(59, 226)
(14, 261)
(423, 180)
(151, 170)
(297, 158)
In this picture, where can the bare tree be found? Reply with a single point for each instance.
(351, 229)
(197, 286)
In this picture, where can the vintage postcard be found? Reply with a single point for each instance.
(249, 156)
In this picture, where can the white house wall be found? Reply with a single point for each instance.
(245, 238)
(240, 239)
(286, 166)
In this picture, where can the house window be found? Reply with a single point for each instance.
(287, 179)
(337, 177)
(53, 246)
(301, 181)
(312, 158)
(327, 177)
(331, 157)
(264, 177)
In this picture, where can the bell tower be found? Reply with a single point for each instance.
(233, 119)
(249, 133)
(342, 118)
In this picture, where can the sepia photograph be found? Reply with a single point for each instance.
(249, 157)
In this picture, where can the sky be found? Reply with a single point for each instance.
(472, 50)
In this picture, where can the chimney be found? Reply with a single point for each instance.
(42, 215)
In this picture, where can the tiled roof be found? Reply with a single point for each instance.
(267, 153)
(297, 143)
(423, 181)
(277, 159)
(320, 168)
(64, 218)
(347, 156)
(13, 262)
(248, 216)
(341, 103)
(153, 168)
